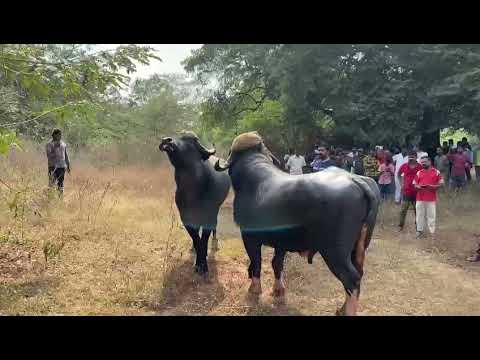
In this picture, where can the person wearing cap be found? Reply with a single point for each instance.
(58, 161)
(426, 182)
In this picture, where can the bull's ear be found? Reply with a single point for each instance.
(204, 152)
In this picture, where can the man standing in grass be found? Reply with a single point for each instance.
(408, 172)
(57, 161)
(398, 160)
(426, 182)
(295, 163)
(459, 162)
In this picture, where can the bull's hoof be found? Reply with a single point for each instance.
(341, 311)
(255, 288)
(201, 269)
(278, 292)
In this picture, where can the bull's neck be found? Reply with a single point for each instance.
(190, 171)
(251, 172)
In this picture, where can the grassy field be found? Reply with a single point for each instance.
(115, 247)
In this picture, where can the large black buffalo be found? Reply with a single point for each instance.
(331, 212)
(200, 191)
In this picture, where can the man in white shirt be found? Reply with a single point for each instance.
(295, 164)
(286, 157)
(398, 160)
(421, 154)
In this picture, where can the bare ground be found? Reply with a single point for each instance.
(115, 247)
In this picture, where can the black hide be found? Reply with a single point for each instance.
(200, 190)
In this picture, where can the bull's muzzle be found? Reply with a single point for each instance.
(166, 144)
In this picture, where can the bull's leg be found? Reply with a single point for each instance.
(277, 265)
(194, 234)
(202, 251)
(254, 251)
(342, 267)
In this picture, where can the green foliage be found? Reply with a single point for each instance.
(43, 85)
(373, 93)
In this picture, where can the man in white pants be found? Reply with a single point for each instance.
(427, 181)
(398, 160)
(295, 163)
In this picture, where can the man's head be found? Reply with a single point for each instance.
(412, 157)
(404, 152)
(459, 149)
(450, 142)
(425, 162)
(322, 152)
(439, 151)
(291, 151)
(57, 135)
(445, 144)
(464, 140)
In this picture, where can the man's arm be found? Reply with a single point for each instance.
(67, 161)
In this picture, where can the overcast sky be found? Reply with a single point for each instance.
(171, 55)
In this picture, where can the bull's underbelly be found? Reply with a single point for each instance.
(289, 239)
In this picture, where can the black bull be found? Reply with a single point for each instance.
(200, 191)
(331, 212)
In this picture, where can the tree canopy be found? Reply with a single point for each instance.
(354, 93)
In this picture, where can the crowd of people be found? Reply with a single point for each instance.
(410, 177)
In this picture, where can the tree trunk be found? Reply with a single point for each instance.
(430, 139)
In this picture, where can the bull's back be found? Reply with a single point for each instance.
(296, 201)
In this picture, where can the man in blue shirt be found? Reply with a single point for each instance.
(322, 160)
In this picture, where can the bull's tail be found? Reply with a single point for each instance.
(372, 193)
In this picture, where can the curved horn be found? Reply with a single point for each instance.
(225, 166)
(204, 152)
(267, 152)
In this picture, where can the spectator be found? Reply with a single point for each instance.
(476, 257)
(295, 164)
(450, 144)
(380, 155)
(442, 164)
(465, 144)
(459, 163)
(421, 153)
(398, 160)
(357, 163)
(370, 165)
(406, 175)
(427, 181)
(387, 172)
(58, 161)
(445, 148)
(476, 162)
(468, 168)
(287, 156)
(322, 161)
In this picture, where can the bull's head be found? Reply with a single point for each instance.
(245, 142)
(184, 148)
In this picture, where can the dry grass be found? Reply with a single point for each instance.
(115, 247)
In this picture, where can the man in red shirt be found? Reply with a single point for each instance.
(459, 161)
(408, 171)
(427, 181)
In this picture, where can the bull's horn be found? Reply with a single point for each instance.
(206, 153)
(219, 167)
